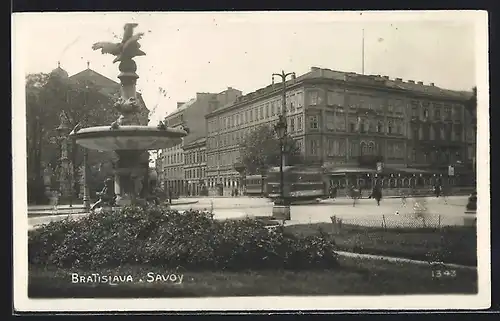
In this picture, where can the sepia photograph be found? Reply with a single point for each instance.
(210, 161)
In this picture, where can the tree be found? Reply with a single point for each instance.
(261, 149)
(47, 97)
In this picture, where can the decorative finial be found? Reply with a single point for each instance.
(58, 64)
(88, 64)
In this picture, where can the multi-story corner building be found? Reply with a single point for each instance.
(192, 114)
(195, 166)
(341, 119)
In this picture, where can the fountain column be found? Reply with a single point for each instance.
(126, 136)
(128, 170)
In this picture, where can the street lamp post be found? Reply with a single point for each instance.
(282, 209)
(280, 127)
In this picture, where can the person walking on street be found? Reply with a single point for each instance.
(377, 193)
(437, 190)
(169, 195)
(333, 191)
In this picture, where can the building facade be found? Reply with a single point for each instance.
(343, 119)
(171, 161)
(195, 167)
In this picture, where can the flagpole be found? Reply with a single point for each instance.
(363, 52)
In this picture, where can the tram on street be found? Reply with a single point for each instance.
(300, 183)
(255, 185)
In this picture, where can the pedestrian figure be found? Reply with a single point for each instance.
(354, 194)
(106, 195)
(437, 190)
(377, 193)
(333, 191)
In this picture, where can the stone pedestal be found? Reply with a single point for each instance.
(129, 177)
(281, 212)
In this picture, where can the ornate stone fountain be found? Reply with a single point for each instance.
(125, 136)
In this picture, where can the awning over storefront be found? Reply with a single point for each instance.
(409, 170)
(386, 170)
(348, 170)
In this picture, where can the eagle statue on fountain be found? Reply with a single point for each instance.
(128, 48)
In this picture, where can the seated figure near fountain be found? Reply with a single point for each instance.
(106, 195)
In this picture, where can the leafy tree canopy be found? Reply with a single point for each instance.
(261, 150)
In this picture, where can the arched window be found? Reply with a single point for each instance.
(389, 128)
(372, 148)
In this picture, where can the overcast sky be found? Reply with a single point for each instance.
(208, 52)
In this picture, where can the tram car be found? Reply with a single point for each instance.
(301, 183)
(256, 185)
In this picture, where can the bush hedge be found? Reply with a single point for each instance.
(157, 236)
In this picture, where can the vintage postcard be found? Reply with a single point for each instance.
(239, 161)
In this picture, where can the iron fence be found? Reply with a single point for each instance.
(405, 221)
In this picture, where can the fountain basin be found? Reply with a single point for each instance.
(129, 137)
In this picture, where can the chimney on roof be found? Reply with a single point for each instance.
(432, 84)
(399, 79)
(411, 81)
(385, 77)
(420, 82)
(180, 103)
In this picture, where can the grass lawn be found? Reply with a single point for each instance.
(448, 244)
(355, 277)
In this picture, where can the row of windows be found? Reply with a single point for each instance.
(172, 158)
(195, 173)
(171, 172)
(338, 147)
(223, 159)
(195, 157)
(436, 111)
(180, 172)
(437, 132)
(264, 111)
(424, 109)
(444, 156)
(295, 124)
